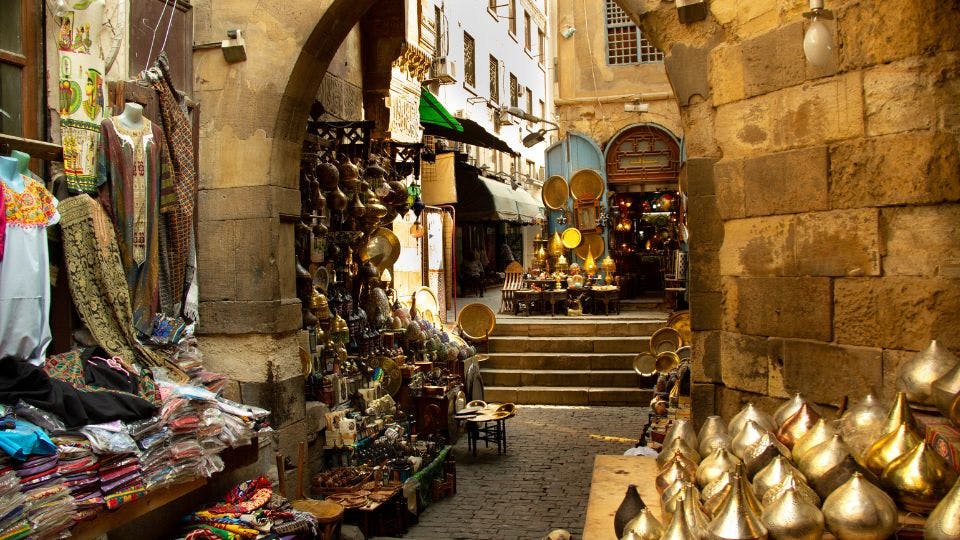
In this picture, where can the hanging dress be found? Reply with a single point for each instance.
(25, 272)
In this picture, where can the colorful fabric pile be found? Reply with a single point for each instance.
(49, 506)
(121, 479)
(79, 467)
(13, 520)
(251, 509)
(153, 440)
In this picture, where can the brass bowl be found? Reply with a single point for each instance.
(665, 339)
(667, 361)
(645, 364)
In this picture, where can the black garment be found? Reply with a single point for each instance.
(21, 380)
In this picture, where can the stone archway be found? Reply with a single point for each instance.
(822, 199)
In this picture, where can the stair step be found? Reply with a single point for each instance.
(566, 328)
(566, 344)
(545, 395)
(561, 378)
(559, 361)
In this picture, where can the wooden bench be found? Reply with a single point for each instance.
(512, 281)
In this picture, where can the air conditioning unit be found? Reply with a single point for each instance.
(504, 118)
(443, 70)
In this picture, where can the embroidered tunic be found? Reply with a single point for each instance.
(135, 188)
(25, 272)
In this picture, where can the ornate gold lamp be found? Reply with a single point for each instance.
(609, 267)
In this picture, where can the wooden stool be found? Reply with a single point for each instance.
(328, 513)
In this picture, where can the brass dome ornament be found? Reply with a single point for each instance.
(670, 497)
(674, 471)
(678, 528)
(942, 523)
(899, 413)
(797, 425)
(735, 519)
(714, 488)
(862, 425)
(674, 446)
(860, 510)
(681, 428)
(746, 437)
(774, 473)
(748, 495)
(762, 452)
(918, 375)
(890, 447)
(712, 434)
(714, 465)
(788, 409)
(945, 389)
(750, 412)
(791, 481)
(644, 526)
(693, 513)
(822, 458)
(689, 465)
(790, 517)
(712, 505)
(919, 479)
(820, 433)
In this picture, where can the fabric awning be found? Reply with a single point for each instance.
(433, 113)
(473, 133)
(483, 199)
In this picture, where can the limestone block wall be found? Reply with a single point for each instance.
(824, 211)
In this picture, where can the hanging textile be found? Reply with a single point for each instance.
(97, 284)
(179, 139)
(83, 92)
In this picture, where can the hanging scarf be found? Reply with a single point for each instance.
(3, 222)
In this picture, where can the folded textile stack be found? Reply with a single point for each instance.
(251, 509)
(121, 479)
(79, 468)
(181, 419)
(153, 439)
(13, 519)
(49, 506)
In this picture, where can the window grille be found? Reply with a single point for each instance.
(494, 80)
(625, 42)
(514, 91)
(527, 32)
(512, 16)
(469, 60)
(529, 101)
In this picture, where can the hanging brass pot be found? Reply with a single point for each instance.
(945, 389)
(644, 526)
(671, 473)
(860, 510)
(821, 458)
(714, 465)
(918, 375)
(820, 433)
(713, 433)
(790, 517)
(773, 474)
(788, 409)
(890, 447)
(750, 412)
(899, 413)
(791, 481)
(797, 425)
(735, 519)
(681, 428)
(673, 447)
(942, 523)
(747, 436)
(919, 479)
(762, 453)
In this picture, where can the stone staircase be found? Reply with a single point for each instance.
(563, 361)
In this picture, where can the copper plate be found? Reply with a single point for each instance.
(476, 321)
(586, 184)
(665, 339)
(667, 361)
(594, 243)
(645, 364)
(555, 192)
(680, 321)
(382, 249)
(392, 377)
(571, 238)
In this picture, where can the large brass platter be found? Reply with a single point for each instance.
(592, 242)
(667, 361)
(382, 249)
(555, 192)
(645, 364)
(391, 376)
(427, 305)
(571, 238)
(665, 339)
(586, 184)
(680, 321)
(476, 321)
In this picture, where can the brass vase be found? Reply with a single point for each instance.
(746, 437)
(643, 526)
(629, 507)
(674, 471)
(681, 428)
(797, 425)
(918, 375)
(821, 458)
(890, 447)
(773, 474)
(859, 510)
(820, 433)
(720, 461)
(788, 409)
(919, 479)
(862, 424)
(677, 445)
(899, 413)
(943, 523)
(945, 389)
(750, 412)
(790, 517)
(712, 434)
(791, 481)
(678, 529)
(735, 520)
(762, 452)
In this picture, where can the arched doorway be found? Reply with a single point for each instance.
(642, 164)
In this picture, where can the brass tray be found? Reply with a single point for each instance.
(555, 192)
(645, 364)
(665, 339)
(667, 361)
(591, 242)
(392, 377)
(586, 184)
(427, 305)
(476, 321)
(382, 249)
(685, 353)
(571, 238)
(680, 321)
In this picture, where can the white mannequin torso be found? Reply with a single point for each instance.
(132, 116)
(9, 173)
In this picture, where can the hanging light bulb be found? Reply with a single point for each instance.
(818, 40)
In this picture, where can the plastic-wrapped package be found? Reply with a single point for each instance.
(107, 441)
(210, 464)
(50, 422)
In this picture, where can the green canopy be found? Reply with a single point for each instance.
(432, 112)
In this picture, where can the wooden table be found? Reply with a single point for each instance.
(612, 475)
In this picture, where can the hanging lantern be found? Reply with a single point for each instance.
(562, 264)
(556, 245)
(590, 265)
